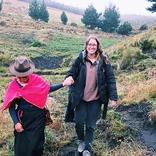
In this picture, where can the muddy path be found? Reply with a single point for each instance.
(47, 62)
(137, 118)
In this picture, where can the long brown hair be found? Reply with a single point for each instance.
(99, 47)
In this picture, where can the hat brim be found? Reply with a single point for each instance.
(16, 73)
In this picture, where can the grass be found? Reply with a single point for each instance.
(136, 88)
(132, 88)
(127, 148)
(53, 134)
(134, 84)
(59, 45)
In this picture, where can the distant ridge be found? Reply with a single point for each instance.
(138, 19)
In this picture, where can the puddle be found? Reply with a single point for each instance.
(47, 62)
(148, 136)
(136, 117)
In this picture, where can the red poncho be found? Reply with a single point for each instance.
(35, 92)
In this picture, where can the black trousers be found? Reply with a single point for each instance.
(86, 116)
(30, 142)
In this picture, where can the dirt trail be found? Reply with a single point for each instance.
(137, 118)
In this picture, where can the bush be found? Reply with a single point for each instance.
(135, 44)
(126, 60)
(37, 44)
(73, 24)
(125, 28)
(143, 27)
(145, 44)
(137, 53)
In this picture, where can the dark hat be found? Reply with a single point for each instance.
(21, 66)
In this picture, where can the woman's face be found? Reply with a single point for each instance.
(23, 80)
(92, 47)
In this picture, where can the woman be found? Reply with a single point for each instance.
(93, 76)
(26, 99)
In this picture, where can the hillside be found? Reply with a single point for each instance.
(130, 128)
(16, 6)
(138, 19)
(131, 18)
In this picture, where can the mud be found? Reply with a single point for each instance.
(148, 136)
(137, 118)
(47, 62)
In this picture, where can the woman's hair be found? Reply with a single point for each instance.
(99, 47)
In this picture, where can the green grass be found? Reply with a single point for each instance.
(107, 42)
(59, 45)
(69, 45)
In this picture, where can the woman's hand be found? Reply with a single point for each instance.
(18, 127)
(68, 81)
(113, 103)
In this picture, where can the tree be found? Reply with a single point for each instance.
(37, 11)
(1, 5)
(124, 29)
(153, 7)
(34, 10)
(64, 18)
(43, 14)
(91, 17)
(111, 19)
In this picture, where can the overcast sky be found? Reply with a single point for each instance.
(124, 6)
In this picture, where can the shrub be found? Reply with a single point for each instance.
(126, 59)
(37, 44)
(125, 28)
(73, 24)
(145, 44)
(143, 27)
(135, 44)
(137, 53)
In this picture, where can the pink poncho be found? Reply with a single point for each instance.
(35, 92)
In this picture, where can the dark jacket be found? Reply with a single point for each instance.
(105, 80)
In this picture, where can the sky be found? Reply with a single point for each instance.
(125, 6)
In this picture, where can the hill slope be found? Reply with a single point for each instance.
(54, 44)
(131, 18)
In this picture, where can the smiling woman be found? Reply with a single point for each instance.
(92, 74)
